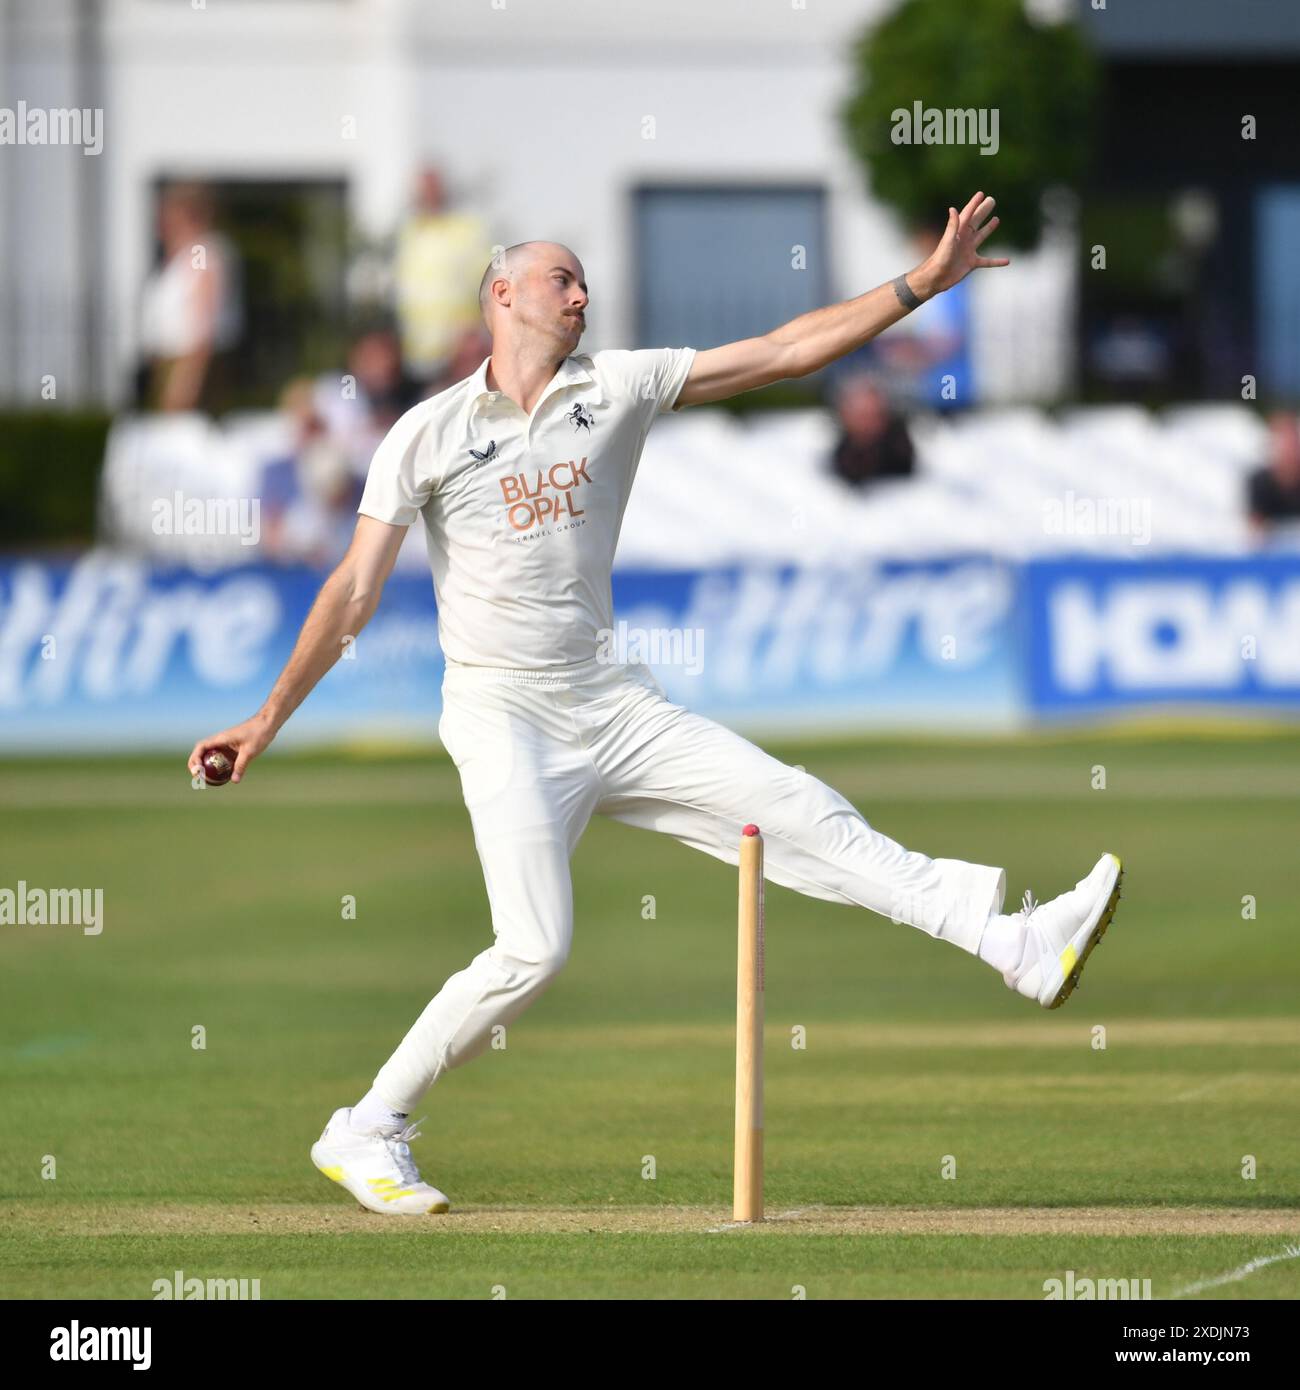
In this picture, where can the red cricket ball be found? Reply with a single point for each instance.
(218, 764)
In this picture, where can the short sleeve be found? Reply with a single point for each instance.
(653, 377)
(667, 371)
(400, 480)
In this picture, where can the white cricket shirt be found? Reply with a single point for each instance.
(522, 512)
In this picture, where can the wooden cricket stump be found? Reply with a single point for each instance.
(747, 1190)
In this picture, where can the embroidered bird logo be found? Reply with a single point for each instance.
(487, 454)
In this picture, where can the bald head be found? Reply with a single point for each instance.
(533, 297)
(518, 261)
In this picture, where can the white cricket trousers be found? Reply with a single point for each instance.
(539, 751)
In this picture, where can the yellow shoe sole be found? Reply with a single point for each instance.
(1072, 978)
(335, 1174)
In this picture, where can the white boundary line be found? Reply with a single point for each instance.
(1292, 1252)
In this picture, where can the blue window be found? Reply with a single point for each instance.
(715, 263)
(1277, 293)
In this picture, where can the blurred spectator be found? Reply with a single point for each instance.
(873, 442)
(191, 314)
(360, 405)
(924, 360)
(440, 258)
(472, 346)
(309, 495)
(1274, 490)
(1133, 351)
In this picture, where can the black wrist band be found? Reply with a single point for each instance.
(904, 292)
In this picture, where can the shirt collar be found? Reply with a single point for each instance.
(570, 373)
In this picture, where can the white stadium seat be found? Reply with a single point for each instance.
(715, 489)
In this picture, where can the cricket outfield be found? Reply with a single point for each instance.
(928, 1133)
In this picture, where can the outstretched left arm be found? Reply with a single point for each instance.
(809, 342)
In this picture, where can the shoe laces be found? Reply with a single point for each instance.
(399, 1146)
(1028, 906)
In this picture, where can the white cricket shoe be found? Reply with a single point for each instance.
(1061, 934)
(377, 1169)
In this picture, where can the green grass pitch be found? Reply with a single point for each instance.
(591, 1156)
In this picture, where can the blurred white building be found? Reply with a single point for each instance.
(584, 121)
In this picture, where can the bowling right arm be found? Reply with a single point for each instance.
(345, 604)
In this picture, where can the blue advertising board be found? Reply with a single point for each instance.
(1104, 636)
(106, 650)
(830, 649)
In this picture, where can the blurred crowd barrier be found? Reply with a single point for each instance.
(109, 650)
(1031, 568)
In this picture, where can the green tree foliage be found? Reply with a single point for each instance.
(981, 54)
(49, 476)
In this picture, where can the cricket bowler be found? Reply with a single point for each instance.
(521, 474)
